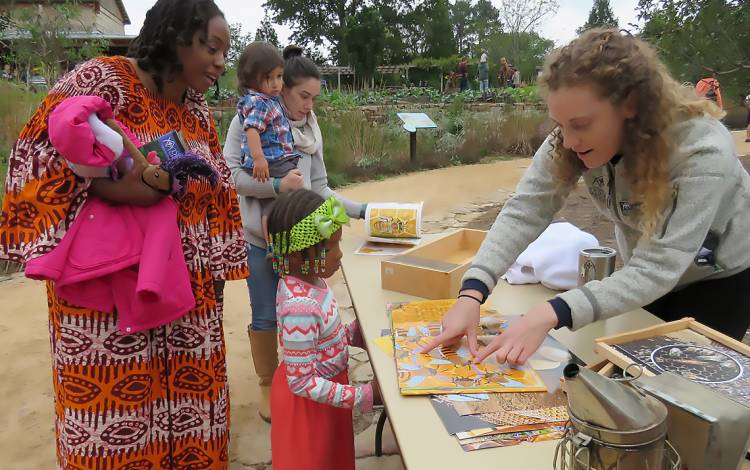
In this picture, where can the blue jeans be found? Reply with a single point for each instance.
(262, 285)
(484, 85)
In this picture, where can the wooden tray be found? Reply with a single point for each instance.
(604, 345)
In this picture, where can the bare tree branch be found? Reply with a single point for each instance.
(523, 16)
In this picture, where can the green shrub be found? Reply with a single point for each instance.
(337, 180)
(517, 133)
(338, 100)
(343, 101)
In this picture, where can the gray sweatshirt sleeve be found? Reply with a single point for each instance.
(319, 184)
(522, 219)
(658, 262)
(244, 182)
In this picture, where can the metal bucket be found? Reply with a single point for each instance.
(594, 264)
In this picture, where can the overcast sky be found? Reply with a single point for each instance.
(560, 27)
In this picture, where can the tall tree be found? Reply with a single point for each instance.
(237, 43)
(702, 38)
(486, 21)
(316, 24)
(394, 15)
(366, 40)
(461, 15)
(438, 34)
(413, 31)
(523, 16)
(473, 23)
(601, 15)
(266, 32)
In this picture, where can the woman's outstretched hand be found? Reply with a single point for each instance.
(515, 345)
(461, 320)
(523, 337)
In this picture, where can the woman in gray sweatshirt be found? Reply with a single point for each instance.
(658, 163)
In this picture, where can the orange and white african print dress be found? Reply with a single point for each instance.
(159, 398)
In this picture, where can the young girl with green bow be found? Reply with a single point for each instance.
(311, 399)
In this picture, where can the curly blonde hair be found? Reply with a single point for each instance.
(621, 67)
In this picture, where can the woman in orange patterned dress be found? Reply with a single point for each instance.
(158, 398)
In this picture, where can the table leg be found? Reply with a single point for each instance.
(379, 433)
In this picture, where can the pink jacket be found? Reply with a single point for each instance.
(115, 257)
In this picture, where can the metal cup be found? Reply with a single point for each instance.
(594, 264)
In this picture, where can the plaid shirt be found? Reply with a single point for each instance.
(265, 114)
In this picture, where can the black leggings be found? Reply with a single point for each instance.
(722, 304)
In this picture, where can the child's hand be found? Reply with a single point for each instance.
(153, 158)
(377, 398)
(356, 339)
(260, 170)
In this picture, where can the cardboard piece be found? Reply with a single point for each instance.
(433, 270)
(453, 421)
(514, 402)
(512, 439)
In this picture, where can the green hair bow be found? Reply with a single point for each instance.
(317, 226)
(328, 224)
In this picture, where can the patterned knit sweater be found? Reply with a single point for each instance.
(315, 343)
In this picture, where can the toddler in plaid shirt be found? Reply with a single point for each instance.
(267, 142)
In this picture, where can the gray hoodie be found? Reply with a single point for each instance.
(709, 208)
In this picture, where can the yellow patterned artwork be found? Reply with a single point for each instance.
(393, 221)
(450, 369)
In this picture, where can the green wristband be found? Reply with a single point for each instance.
(276, 183)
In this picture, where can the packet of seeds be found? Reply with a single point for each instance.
(166, 146)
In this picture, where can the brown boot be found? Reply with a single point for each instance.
(263, 346)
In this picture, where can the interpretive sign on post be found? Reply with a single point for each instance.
(412, 122)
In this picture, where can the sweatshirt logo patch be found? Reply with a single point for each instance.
(627, 207)
(598, 189)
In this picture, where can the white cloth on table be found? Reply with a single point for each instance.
(552, 259)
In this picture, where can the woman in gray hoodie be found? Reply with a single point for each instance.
(658, 163)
